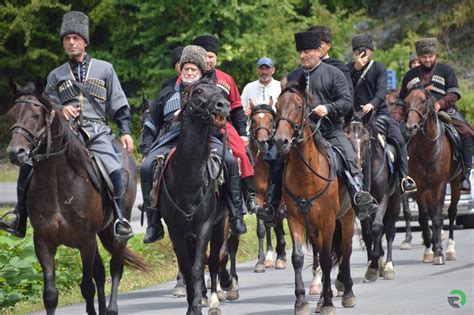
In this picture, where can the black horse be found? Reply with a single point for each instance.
(383, 185)
(191, 200)
(64, 206)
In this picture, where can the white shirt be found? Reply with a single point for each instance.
(259, 93)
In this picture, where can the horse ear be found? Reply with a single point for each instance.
(39, 84)
(14, 87)
(302, 83)
(270, 102)
(251, 104)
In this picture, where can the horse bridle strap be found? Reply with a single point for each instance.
(423, 117)
(262, 108)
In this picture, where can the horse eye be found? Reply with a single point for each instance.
(36, 116)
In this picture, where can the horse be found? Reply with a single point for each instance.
(193, 204)
(262, 120)
(314, 197)
(64, 206)
(383, 185)
(431, 165)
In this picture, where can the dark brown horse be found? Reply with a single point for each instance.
(262, 123)
(383, 185)
(64, 207)
(432, 167)
(318, 203)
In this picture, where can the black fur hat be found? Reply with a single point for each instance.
(176, 55)
(426, 46)
(75, 22)
(362, 40)
(208, 42)
(324, 31)
(307, 40)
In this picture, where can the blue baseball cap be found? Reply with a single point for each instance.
(264, 61)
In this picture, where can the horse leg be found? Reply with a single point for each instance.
(371, 273)
(280, 262)
(45, 253)
(197, 273)
(406, 244)
(324, 240)
(180, 287)
(217, 239)
(99, 278)
(259, 266)
(347, 226)
(452, 212)
(269, 253)
(390, 231)
(233, 292)
(297, 258)
(88, 252)
(437, 222)
(316, 283)
(426, 232)
(377, 232)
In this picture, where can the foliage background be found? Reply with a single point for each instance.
(138, 36)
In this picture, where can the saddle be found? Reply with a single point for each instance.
(456, 152)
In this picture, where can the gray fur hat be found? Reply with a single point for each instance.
(324, 31)
(362, 40)
(426, 46)
(75, 22)
(194, 54)
(413, 57)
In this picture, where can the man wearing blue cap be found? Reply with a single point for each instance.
(261, 90)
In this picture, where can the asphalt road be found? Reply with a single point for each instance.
(417, 289)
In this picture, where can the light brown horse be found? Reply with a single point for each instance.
(318, 203)
(262, 124)
(431, 165)
(63, 205)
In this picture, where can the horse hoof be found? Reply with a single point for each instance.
(213, 303)
(221, 295)
(339, 285)
(371, 275)
(214, 311)
(259, 268)
(302, 310)
(349, 301)
(405, 246)
(439, 260)
(179, 292)
(314, 289)
(389, 275)
(280, 264)
(328, 310)
(232, 295)
(443, 235)
(204, 302)
(268, 259)
(428, 256)
(450, 255)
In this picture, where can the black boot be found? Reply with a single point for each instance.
(273, 197)
(17, 226)
(237, 223)
(154, 230)
(250, 194)
(408, 185)
(363, 202)
(467, 158)
(122, 229)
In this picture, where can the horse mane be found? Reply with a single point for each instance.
(74, 149)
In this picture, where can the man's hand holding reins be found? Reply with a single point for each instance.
(320, 110)
(127, 142)
(70, 111)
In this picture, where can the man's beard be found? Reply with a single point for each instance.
(425, 68)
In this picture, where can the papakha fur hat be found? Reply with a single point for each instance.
(307, 40)
(208, 42)
(324, 31)
(194, 54)
(75, 22)
(426, 46)
(362, 40)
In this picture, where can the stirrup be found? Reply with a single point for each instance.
(120, 237)
(409, 179)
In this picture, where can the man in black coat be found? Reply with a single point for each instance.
(370, 88)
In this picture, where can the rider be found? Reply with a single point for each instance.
(441, 80)
(329, 86)
(238, 120)
(370, 87)
(162, 112)
(87, 88)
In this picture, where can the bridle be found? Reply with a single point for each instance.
(38, 136)
(423, 116)
(261, 109)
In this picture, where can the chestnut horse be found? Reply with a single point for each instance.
(262, 122)
(318, 203)
(64, 207)
(431, 165)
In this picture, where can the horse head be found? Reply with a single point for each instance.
(206, 102)
(419, 107)
(292, 115)
(27, 113)
(360, 134)
(262, 120)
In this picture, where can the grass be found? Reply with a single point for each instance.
(159, 256)
(8, 171)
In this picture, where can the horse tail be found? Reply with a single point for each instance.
(129, 257)
(336, 253)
